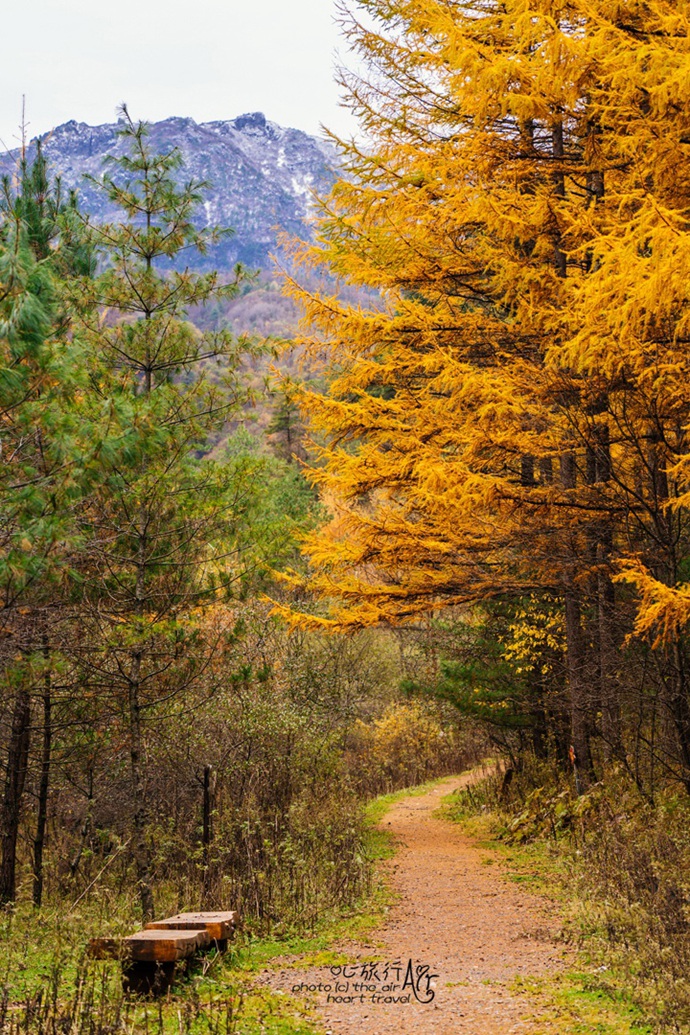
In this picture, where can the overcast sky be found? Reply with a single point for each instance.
(208, 59)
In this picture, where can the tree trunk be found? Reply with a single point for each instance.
(15, 778)
(539, 729)
(608, 651)
(676, 694)
(606, 608)
(142, 855)
(207, 825)
(579, 704)
(680, 709)
(558, 152)
(527, 471)
(575, 655)
(44, 784)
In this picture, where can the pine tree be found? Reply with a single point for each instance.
(43, 444)
(161, 528)
(286, 428)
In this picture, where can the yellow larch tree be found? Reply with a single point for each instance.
(511, 418)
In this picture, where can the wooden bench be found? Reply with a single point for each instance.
(219, 926)
(149, 957)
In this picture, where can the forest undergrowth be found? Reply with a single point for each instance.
(618, 864)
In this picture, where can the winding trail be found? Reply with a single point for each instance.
(475, 930)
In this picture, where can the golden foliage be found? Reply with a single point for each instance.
(512, 417)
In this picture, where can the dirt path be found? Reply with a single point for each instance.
(455, 916)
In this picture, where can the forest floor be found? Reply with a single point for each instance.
(457, 952)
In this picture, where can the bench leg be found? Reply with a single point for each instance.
(147, 978)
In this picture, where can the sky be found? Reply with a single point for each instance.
(208, 59)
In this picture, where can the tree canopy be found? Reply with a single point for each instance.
(513, 419)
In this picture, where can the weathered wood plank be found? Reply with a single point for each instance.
(154, 946)
(219, 925)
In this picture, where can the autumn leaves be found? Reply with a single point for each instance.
(513, 419)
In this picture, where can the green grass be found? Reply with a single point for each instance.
(41, 948)
(537, 864)
(37, 946)
(258, 1009)
(201, 1001)
(255, 954)
(377, 808)
(578, 1003)
(380, 842)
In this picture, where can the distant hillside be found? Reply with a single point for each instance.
(262, 175)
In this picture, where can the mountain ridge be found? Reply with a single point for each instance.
(262, 176)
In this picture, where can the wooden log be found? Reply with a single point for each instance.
(153, 946)
(219, 926)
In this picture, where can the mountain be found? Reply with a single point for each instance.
(262, 176)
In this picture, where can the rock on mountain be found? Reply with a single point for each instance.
(262, 175)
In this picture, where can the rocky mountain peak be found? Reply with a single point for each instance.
(263, 176)
(254, 122)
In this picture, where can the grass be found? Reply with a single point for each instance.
(316, 950)
(577, 1003)
(67, 992)
(258, 1009)
(221, 995)
(536, 864)
(378, 807)
(380, 842)
(217, 995)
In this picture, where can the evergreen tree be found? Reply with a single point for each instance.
(163, 527)
(286, 427)
(43, 442)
